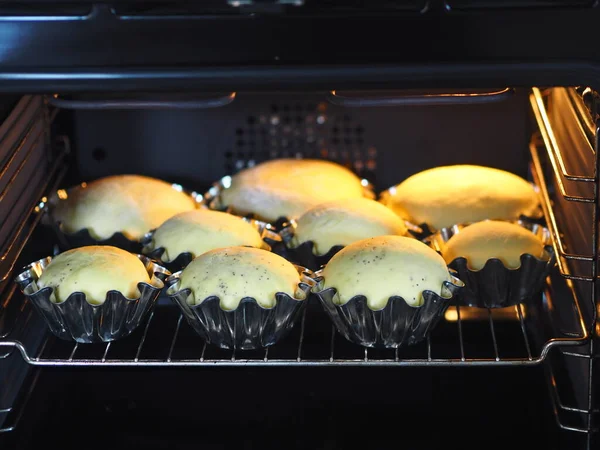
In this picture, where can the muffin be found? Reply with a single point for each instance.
(93, 294)
(127, 204)
(342, 222)
(489, 239)
(386, 291)
(199, 231)
(383, 267)
(93, 270)
(240, 297)
(288, 187)
(234, 273)
(461, 194)
(501, 263)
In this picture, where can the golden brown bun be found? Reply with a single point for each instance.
(94, 270)
(385, 266)
(460, 194)
(131, 204)
(482, 241)
(201, 230)
(234, 273)
(289, 187)
(341, 222)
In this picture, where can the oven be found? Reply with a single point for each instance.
(190, 92)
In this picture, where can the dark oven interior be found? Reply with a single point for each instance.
(516, 376)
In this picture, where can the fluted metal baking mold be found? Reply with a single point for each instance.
(424, 230)
(396, 325)
(77, 320)
(212, 200)
(250, 326)
(183, 259)
(495, 285)
(83, 237)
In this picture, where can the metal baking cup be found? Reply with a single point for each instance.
(397, 324)
(424, 230)
(269, 238)
(212, 199)
(495, 285)
(76, 319)
(303, 254)
(83, 237)
(249, 326)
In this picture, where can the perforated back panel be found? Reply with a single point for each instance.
(383, 144)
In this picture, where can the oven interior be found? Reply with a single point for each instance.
(499, 377)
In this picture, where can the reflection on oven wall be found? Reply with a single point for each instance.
(386, 144)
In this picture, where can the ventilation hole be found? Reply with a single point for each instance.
(99, 154)
(287, 119)
(335, 141)
(239, 131)
(274, 108)
(359, 130)
(228, 154)
(335, 130)
(299, 119)
(251, 120)
(286, 108)
(240, 143)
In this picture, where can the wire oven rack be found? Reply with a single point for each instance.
(467, 336)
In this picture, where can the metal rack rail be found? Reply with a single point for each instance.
(502, 338)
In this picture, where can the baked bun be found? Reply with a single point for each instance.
(234, 273)
(289, 187)
(201, 230)
(385, 266)
(93, 270)
(461, 194)
(130, 204)
(481, 241)
(341, 222)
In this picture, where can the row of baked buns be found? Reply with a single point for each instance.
(372, 250)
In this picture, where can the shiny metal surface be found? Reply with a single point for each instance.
(397, 324)
(76, 319)
(249, 326)
(183, 259)
(82, 238)
(495, 285)
(401, 98)
(168, 102)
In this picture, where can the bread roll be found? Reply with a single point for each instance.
(460, 194)
(482, 241)
(201, 230)
(130, 204)
(234, 273)
(341, 222)
(385, 266)
(93, 270)
(289, 187)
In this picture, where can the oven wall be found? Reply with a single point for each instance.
(386, 144)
